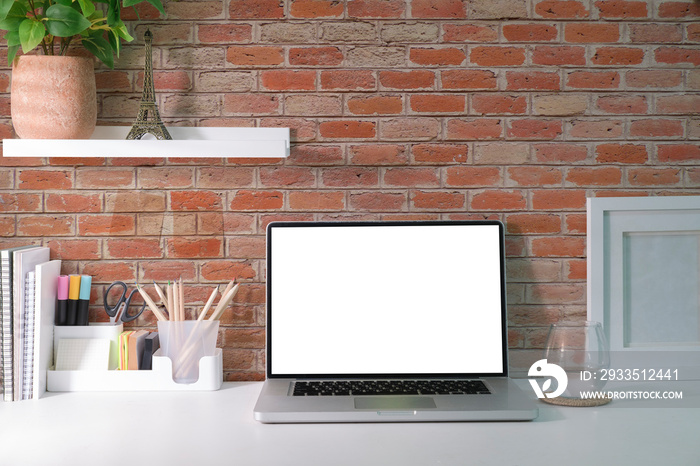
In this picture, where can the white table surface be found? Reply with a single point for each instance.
(217, 428)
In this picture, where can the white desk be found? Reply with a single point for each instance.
(217, 428)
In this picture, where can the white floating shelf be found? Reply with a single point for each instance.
(189, 142)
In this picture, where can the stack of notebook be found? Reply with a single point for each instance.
(27, 303)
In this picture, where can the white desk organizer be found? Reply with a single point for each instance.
(211, 374)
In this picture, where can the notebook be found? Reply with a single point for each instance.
(387, 321)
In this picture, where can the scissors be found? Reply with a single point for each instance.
(120, 311)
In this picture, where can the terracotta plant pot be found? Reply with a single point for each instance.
(53, 97)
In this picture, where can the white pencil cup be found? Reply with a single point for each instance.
(185, 343)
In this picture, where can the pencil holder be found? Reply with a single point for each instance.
(185, 343)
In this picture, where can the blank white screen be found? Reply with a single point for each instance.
(412, 299)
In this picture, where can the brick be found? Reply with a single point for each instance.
(450, 9)
(209, 223)
(409, 129)
(498, 104)
(533, 224)
(677, 56)
(621, 153)
(304, 154)
(693, 82)
(678, 152)
(559, 247)
(469, 33)
(497, 9)
(377, 201)
(288, 80)
(347, 31)
(302, 129)
(350, 177)
(250, 55)
(560, 104)
(655, 33)
(498, 200)
(45, 225)
(618, 56)
(256, 200)
(562, 55)
(468, 79)
(315, 56)
(195, 200)
(133, 248)
(278, 177)
(135, 201)
(560, 153)
(679, 10)
(375, 105)
(654, 176)
(497, 56)
(224, 33)
(501, 153)
(113, 81)
(69, 202)
(316, 9)
(464, 177)
(376, 8)
(437, 57)
(693, 32)
(348, 80)
(372, 56)
(532, 80)
(225, 81)
(75, 249)
(534, 129)
(433, 103)
(440, 153)
(417, 79)
(348, 129)
(409, 32)
(599, 176)
(7, 227)
(619, 9)
(165, 177)
(654, 79)
(194, 248)
(678, 104)
(591, 32)
(561, 9)
(305, 104)
(593, 79)
(530, 32)
(558, 199)
(225, 177)
(190, 105)
(596, 129)
(474, 129)
(192, 58)
(378, 154)
(576, 223)
(106, 225)
(256, 9)
(163, 224)
(167, 80)
(413, 177)
(437, 200)
(534, 176)
(656, 128)
(622, 104)
(251, 104)
(45, 179)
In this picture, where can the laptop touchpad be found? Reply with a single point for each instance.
(398, 403)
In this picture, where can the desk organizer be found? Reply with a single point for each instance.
(211, 373)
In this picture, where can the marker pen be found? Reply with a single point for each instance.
(84, 301)
(62, 295)
(73, 296)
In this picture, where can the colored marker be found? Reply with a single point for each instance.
(84, 300)
(73, 296)
(62, 294)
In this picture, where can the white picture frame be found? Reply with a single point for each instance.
(644, 272)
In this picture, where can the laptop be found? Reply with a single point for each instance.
(387, 322)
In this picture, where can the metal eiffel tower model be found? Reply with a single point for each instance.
(148, 120)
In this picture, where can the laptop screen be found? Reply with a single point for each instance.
(385, 299)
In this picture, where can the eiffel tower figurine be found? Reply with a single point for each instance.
(148, 120)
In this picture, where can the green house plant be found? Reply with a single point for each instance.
(53, 25)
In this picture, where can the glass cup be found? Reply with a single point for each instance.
(581, 349)
(185, 343)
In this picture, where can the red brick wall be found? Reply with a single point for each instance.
(399, 109)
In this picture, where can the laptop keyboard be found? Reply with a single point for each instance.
(389, 387)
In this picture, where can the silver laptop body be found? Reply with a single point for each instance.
(406, 304)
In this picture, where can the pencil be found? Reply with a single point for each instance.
(176, 302)
(207, 306)
(171, 309)
(163, 299)
(223, 303)
(182, 301)
(159, 315)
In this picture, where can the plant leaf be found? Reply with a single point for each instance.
(11, 52)
(64, 21)
(14, 18)
(100, 47)
(31, 33)
(64, 2)
(5, 6)
(87, 6)
(155, 3)
(12, 38)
